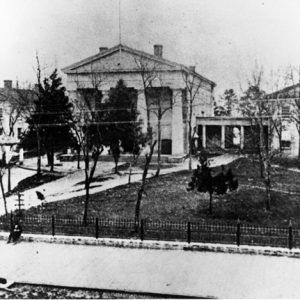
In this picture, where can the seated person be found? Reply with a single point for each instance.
(15, 233)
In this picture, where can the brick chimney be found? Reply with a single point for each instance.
(7, 84)
(192, 68)
(158, 50)
(102, 49)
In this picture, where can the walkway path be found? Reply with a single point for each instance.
(69, 186)
(175, 272)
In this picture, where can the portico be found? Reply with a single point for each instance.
(223, 132)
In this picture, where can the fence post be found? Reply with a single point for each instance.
(189, 232)
(238, 232)
(142, 230)
(290, 235)
(53, 225)
(97, 228)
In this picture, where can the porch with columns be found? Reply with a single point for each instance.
(218, 132)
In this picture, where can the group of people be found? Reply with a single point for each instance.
(203, 180)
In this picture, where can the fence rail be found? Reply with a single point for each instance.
(238, 233)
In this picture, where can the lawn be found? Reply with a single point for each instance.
(166, 198)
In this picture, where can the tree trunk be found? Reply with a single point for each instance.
(210, 203)
(141, 190)
(158, 147)
(280, 143)
(149, 129)
(78, 159)
(116, 165)
(264, 150)
(267, 176)
(115, 149)
(86, 202)
(268, 194)
(8, 177)
(88, 179)
(38, 171)
(3, 195)
(130, 171)
(299, 148)
(261, 164)
(52, 157)
(138, 207)
(87, 187)
(190, 136)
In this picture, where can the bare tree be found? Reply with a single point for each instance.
(193, 84)
(141, 190)
(159, 99)
(160, 103)
(36, 124)
(16, 108)
(2, 172)
(139, 139)
(261, 112)
(148, 71)
(87, 130)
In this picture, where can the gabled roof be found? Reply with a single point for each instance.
(120, 47)
(15, 94)
(285, 93)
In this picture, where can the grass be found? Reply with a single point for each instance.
(288, 162)
(166, 198)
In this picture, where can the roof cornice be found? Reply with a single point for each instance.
(120, 47)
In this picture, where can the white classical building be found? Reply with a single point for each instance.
(164, 78)
(287, 101)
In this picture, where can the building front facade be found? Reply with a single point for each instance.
(287, 102)
(13, 112)
(227, 133)
(164, 80)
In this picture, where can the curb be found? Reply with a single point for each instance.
(157, 245)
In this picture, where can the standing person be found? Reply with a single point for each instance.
(203, 157)
(15, 233)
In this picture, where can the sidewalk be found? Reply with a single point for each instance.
(184, 273)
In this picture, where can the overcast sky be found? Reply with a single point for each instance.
(223, 38)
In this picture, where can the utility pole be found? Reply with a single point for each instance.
(19, 204)
(120, 33)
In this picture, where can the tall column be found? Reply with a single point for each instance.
(142, 109)
(177, 124)
(242, 137)
(223, 136)
(105, 95)
(204, 136)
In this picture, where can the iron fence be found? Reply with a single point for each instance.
(206, 232)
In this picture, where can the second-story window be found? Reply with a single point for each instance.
(1, 112)
(285, 111)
